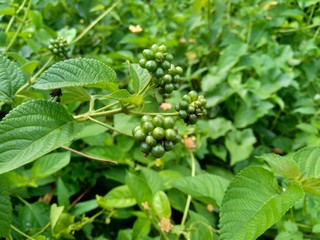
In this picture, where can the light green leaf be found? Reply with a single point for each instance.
(141, 228)
(124, 96)
(29, 67)
(78, 72)
(240, 144)
(153, 179)
(55, 213)
(283, 166)
(308, 160)
(74, 94)
(5, 208)
(11, 79)
(140, 77)
(118, 197)
(32, 130)
(311, 185)
(139, 188)
(161, 205)
(207, 188)
(254, 202)
(201, 227)
(49, 164)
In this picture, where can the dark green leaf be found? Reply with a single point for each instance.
(5, 208)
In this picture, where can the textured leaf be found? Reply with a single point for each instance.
(31, 130)
(283, 166)
(240, 144)
(153, 179)
(308, 160)
(207, 188)
(311, 185)
(11, 79)
(5, 208)
(253, 202)
(139, 188)
(124, 96)
(140, 77)
(78, 72)
(218, 127)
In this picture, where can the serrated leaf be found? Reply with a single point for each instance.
(5, 208)
(161, 205)
(240, 144)
(32, 130)
(140, 77)
(283, 166)
(78, 72)
(207, 188)
(253, 202)
(308, 160)
(124, 96)
(11, 79)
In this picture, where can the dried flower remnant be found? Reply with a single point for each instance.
(166, 106)
(189, 142)
(165, 225)
(145, 206)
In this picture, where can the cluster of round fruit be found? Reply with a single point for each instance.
(59, 47)
(157, 61)
(157, 135)
(192, 107)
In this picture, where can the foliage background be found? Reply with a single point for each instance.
(256, 62)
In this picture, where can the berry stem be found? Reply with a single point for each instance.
(15, 16)
(154, 114)
(193, 173)
(108, 126)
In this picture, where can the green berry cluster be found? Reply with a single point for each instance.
(157, 61)
(59, 47)
(192, 107)
(157, 135)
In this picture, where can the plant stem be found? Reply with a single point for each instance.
(154, 114)
(42, 230)
(19, 28)
(88, 156)
(91, 25)
(21, 233)
(98, 114)
(108, 106)
(108, 126)
(193, 173)
(14, 16)
(33, 79)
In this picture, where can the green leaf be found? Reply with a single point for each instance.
(253, 202)
(118, 197)
(153, 179)
(207, 188)
(55, 213)
(139, 188)
(240, 144)
(124, 96)
(78, 72)
(140, 77)
(311, 185)
(161, 205)
(11, 79)
(308, 160)
(5, 208)
(218, 127)
(31, 130)
(247, 115)
(49, 164)
(199, 225)
(29, 67)
(141, 227)
(283, 166)
(74, 94)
